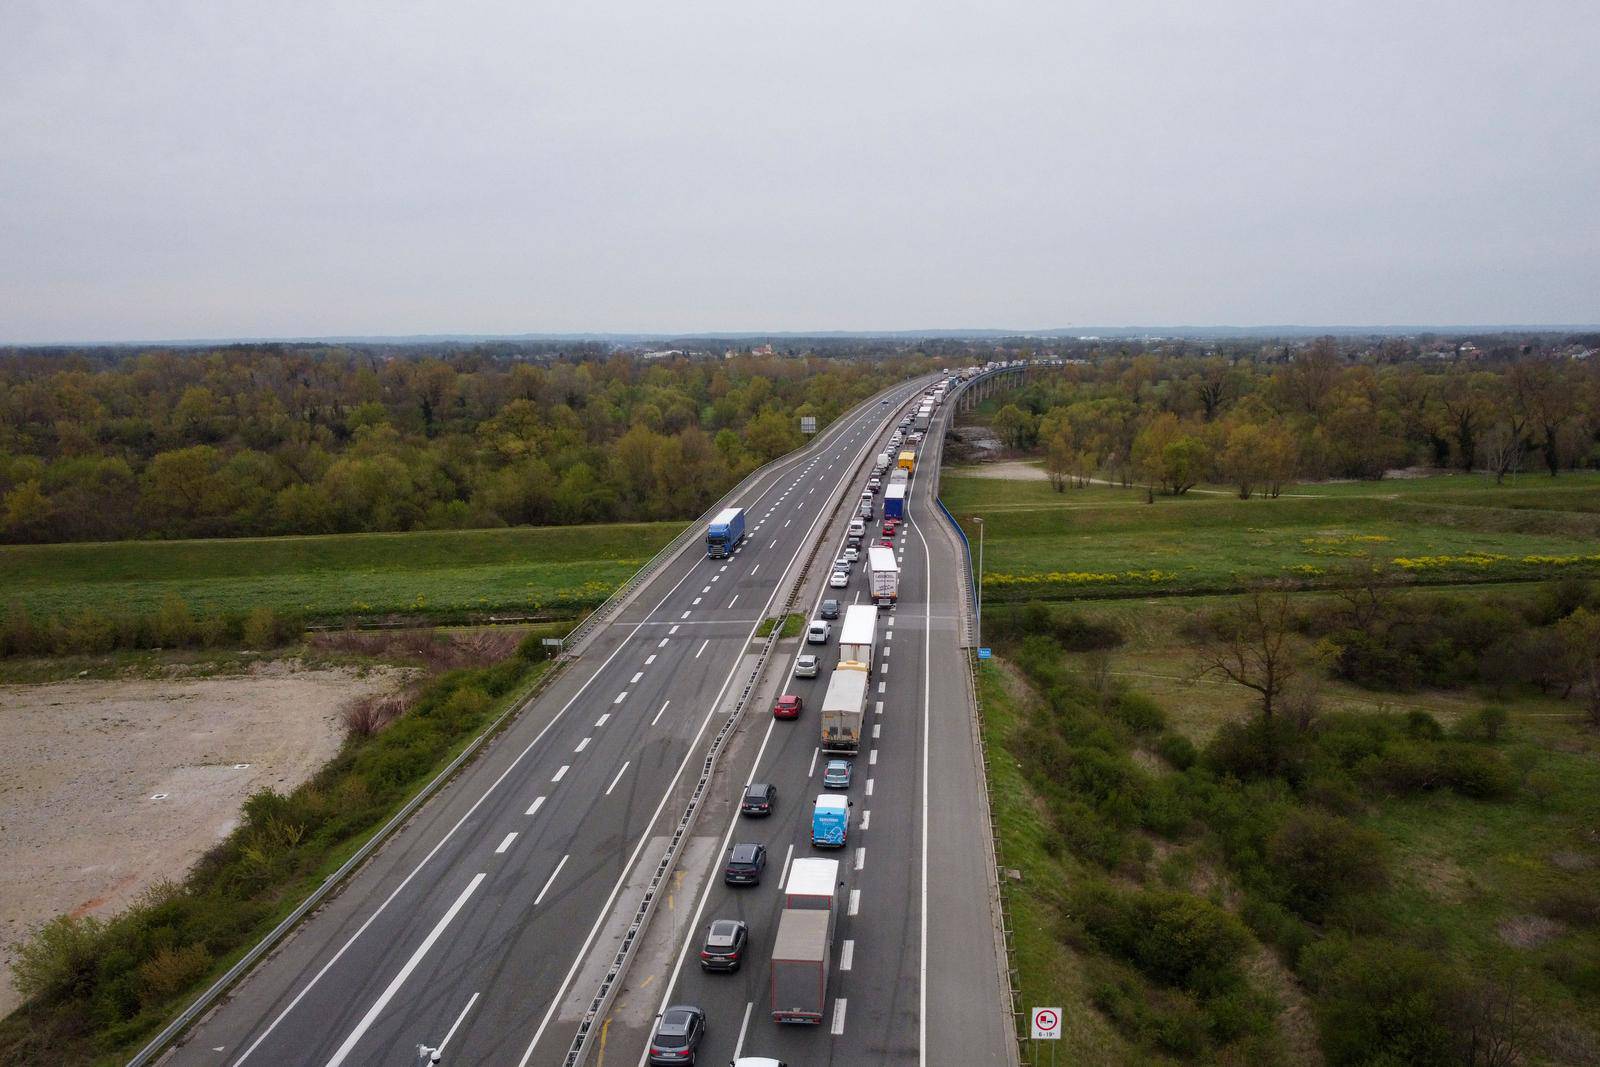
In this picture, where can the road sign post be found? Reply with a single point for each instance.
(1047, 1027)
(983, 653)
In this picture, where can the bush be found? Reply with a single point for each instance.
(1485, 724)
(1258, 748)
(174, 622)
(1482, 774)
(1323, 861)
(1380, 1003)
(1420, 726)
(1177, 750)
(1139, 713)
(59, 961)
(265, 628)
(1175, 938)
(171, 971)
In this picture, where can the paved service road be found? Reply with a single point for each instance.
(915, 971)
(476, 920)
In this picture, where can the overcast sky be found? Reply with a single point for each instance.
(219, 169)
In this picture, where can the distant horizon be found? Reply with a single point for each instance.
(1058, 333)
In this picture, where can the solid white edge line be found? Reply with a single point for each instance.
(405, 972)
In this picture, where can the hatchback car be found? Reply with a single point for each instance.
(838, 580)
(837, 774)
(852, 554)
(830, 609)
(818, 632)
(745, 864)
(805, 667)
(759, 797)
(677, 1036)
(724, 946)
(787, 706)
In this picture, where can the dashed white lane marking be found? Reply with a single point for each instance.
(663, 642)
(866, 818)
(788, 855)
(754, 569)
(883, 668)
(847, 955)
(673, 630)
(855, 902)
(707, 589)
(886, 651)
(838, 1016)
(861, 857)
(882, 686)
(562, 773)
(869, 787)
(538, 802)
(602, 720)
(872, 758)
(651, 658)
(506, 843)
(621, 697)
(738, 1046)
(877, 727)
(618, 778)
(658, 714)
(702, 648)
(715, 577)
(734, 601)
(685, 615)
(636, 678)
(813, 769)
(583, 744)
(888, 635)
(786, 523)
(696, 603)
(774, 543)
(879, 709)
(538, 899)
(722, 568)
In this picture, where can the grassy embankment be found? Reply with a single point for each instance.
(1494, 886)
(432, 576)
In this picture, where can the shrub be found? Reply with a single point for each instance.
(1324, 860)
(170, 971)
(1382, 1003)
(1420, 726)
(1482, 774)
(265, 628)
(1139, 713)
(1177, 750)
(60, 959)
(1259, 748)
(1485, 724)
(174, 622)
(1175, 938)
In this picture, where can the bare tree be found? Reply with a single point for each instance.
(1580, 632)
(1491, 1024)
(1250, 645)
(1501, 448)
(1367, 595)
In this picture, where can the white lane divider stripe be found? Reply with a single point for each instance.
(847, 955)
(788, 856)
(866, 818)
(651, 658)
(685, 615)
(635, 679)
(540, 898)
(621, 697)
(405, 972)
(738, 1046)
(707, 589)
(872, 758)
(879, 709)
(583, 744)
(869, 787)
(702, 648)
(813, 769)
(457, 1024)
(562, 773)
(882, 686)
(754, 569)
(618, 778)
(658, 714)
(506, 842)
(695, 603)
(877, 730)
(838, 1016)
(861, 857)
(734, 601)
(602, 720)
(663, 642)
(673, 630)
(533, 809)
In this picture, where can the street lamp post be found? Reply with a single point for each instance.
(979, 590)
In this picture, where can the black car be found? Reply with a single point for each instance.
(677, 1036)
(830, 609)
(745, 864)
(758, 799)
(724, 947)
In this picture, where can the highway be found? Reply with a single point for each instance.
(479, 923)
(916, 972)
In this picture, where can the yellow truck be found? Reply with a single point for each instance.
(908, 460)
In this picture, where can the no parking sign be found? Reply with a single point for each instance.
(1047, 1024)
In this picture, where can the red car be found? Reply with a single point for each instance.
(890, 525)
(787, 707)
(887, 542)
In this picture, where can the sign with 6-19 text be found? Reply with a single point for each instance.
(1047, 1024)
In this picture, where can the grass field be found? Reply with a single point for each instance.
(434, 574)
(1106, 540)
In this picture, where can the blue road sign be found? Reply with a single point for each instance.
(983, 653)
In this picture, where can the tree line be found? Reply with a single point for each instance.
(262, 440)
(1318, 412)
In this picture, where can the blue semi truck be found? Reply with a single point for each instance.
(894, 501)
(724, 533)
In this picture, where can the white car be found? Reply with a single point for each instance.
(805, 666)
(838, 580)
(852, 554)
(819, 631)
(874, 484)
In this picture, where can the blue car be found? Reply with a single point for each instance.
(837, 774)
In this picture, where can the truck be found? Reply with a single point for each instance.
(830, 821)
(883, 576)
(860, 629)
(800, 956)
(908, 461)
(812, 884)
(924, 416)
(843, 706)
(899, 476)
(894, 499)
(724, 533)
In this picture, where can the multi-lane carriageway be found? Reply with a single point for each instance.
(484, 923)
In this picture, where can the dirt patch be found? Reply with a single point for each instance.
(1013, 469)
(1529, 931)
(1296, 1025)
(80, 828)
(1572, 861)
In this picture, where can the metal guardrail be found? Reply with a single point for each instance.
(601, 1002)
(206, 999)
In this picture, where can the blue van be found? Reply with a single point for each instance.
(830, 821)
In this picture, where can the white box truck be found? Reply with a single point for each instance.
(884, 459)
(883, 576)
(813, 884)
(843, 706)
(859, 632)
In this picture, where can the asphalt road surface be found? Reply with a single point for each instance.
(474, 924)
(915, 975)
